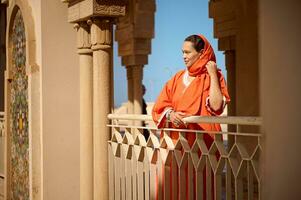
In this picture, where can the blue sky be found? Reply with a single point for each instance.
(174, 21)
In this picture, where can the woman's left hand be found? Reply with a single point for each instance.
(176, 118)
(211, 68)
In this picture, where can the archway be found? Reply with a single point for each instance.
(22, 115)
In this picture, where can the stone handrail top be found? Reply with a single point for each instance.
(238, 120)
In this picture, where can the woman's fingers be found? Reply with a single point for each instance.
(178, 119)
(173, 118)
(211, 67)
(181, 114)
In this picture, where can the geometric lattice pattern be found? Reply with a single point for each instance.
(162, 168)
(19, 112)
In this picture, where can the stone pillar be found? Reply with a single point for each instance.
(102, 14)
(137, 79)
(130, 104)
(231, 84)
(86, 111)
(231, 80)
(101, 39)
(134, 77)
(133, 33)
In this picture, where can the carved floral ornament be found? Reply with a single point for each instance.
(79, 10)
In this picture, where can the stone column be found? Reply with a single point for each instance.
(86, 111)
(231, 79)
(130, 104)
(135, 47)
(101, 38)
(137, 79)
(231, 85)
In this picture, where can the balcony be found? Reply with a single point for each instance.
(162, 168)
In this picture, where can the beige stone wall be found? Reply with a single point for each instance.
(280, 72)
(60, 103)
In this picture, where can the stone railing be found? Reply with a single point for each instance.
(166, 168)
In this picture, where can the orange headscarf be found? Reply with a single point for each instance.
(190, 100)
(198, 68)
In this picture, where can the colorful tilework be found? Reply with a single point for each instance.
(19, 113)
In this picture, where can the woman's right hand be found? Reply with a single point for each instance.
(176, 118)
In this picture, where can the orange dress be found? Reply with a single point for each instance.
(192, 99)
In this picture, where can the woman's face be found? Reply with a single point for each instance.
(190, 55)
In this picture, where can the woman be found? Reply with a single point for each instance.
(199, 90)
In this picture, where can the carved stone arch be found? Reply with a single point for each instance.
(25, 9)
(22, 9)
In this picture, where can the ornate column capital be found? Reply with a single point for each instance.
(101, 33)
(83, 37)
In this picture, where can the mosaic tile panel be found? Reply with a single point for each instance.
(19, 113)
